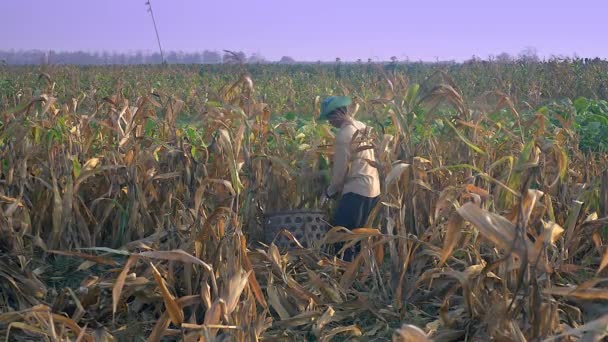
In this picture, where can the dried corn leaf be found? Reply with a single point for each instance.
(25, 327)
(498, 229)
(603, 263)
(304, 318)
(551, 232)
(410, 333)
(353, 330)
(176, 255)
(326, 289)
(351, 272)
(235, 286)
(586, 293)
(275, 302)
(214, 315)
(175, 313)
(396, 171)
(120, 282)
(452, 236)
(253, 282)
(595, 330)
(93, 258)
(325, 319)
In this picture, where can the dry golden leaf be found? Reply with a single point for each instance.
(72, 325)
(446, 201)
(592, 217)
(93, 258)
(215, 314)
(286, 233)
(297, 290)
(326, 289)
(238, 139)
(159, 328)
(50, 101)
(452, 236)
(422, 160)
(163, 322)
(175, 313)
(325, 319)
(153, 101)
(120, 282)
(590, 283)
(337, 234)
(221, 227)
(85, 265)
(91, 164)
(366, 231)
(484, 194)
(516, 334)
(275, 256)
(351, 272)
(570, 268)
(410, 333)
(604, 262)
(351, 329)
(586, 293)
(176, 255)
(82, 335)
(11, 316)
(25, 327)
(57, 215)
(36, 312)
(497, 229)
(304, 318)
(596, 330)
(236, 285)
(474, 197)
(597, 241)
(379, 254)
(423, 184)
(206, 295)
(396, 171)
(207, 231)
(168, 175)
(341, 234)
(253, 282)
(275, 302)
(529, 203)
(571, 221)
(551, 232)
(226, 143)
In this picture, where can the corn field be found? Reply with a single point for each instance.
(132, 206)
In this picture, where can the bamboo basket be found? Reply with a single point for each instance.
(307, 226)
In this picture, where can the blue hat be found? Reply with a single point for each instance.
(331, 103)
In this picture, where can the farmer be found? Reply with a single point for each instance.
(353, 179)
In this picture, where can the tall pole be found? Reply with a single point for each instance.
(162, 57)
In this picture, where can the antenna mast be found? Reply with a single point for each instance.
(162, 57)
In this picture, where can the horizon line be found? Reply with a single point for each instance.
(262, 59)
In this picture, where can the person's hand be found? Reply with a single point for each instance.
(323, 200)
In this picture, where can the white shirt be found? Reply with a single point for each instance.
(351, 170)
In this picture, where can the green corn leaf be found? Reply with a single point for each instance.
(465, 139)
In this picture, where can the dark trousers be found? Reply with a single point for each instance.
(352, 212)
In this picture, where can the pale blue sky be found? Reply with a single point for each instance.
(312, 29)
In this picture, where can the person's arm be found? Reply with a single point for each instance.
(340, 161)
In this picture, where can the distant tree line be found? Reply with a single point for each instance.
(28, 57)
(37, 57)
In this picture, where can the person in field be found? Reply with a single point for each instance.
(354, 181)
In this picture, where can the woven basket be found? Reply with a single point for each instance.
(307, 226)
